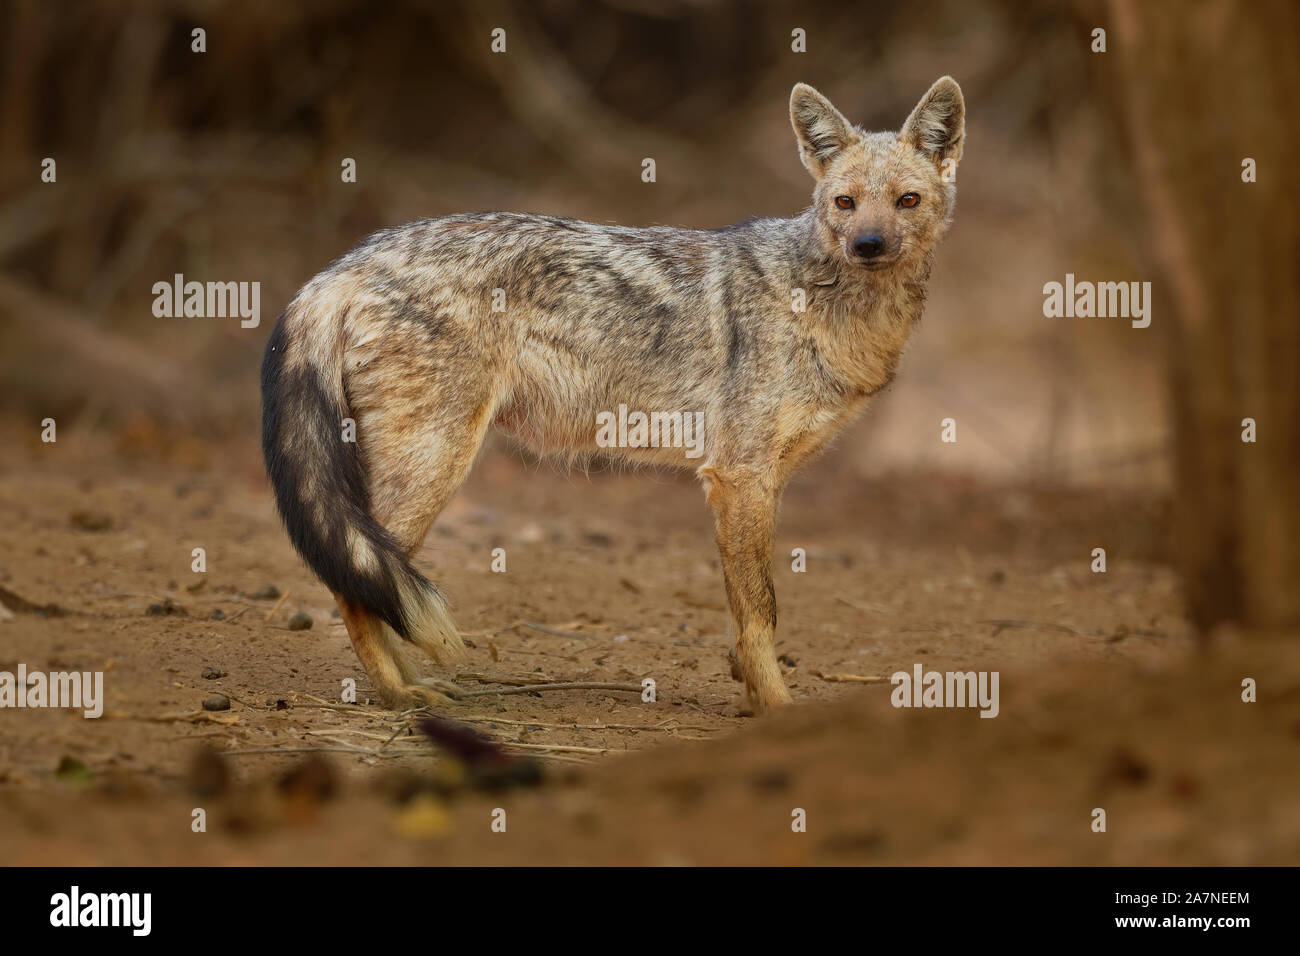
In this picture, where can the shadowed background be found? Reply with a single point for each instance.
(1118, 166)
(226, 166)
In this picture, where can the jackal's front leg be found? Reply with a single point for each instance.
(744, 510)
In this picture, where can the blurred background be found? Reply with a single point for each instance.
(1122, 165)
(1104, 140)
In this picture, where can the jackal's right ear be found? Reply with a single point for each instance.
(821, 130)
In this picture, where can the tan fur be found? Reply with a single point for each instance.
(401, 334)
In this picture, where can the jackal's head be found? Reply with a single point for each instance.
(882, 198)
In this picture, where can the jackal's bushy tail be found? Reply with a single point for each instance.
(320, 488)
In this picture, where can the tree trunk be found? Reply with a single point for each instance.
(1202, 86)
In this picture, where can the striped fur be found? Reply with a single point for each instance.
(431, 334)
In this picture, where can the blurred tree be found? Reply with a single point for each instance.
(1202, 87)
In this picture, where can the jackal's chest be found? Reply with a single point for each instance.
(805, 427)
(843, 371)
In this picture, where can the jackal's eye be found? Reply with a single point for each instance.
(908, 200)
(844, 202)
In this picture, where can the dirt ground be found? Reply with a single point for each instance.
(1106, 701)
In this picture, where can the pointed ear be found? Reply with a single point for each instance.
(821, 130)
(937, 127)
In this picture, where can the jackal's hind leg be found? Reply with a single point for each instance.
(428, 459)
(394, 676)
(388, 671)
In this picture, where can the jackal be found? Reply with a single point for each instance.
(429, 335)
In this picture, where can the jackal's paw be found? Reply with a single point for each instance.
(444, 687)
(766, 698)
(428, 692)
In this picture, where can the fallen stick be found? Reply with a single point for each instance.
(850, 678)
(552, 726)
(559, 748)
(355, 710)
(323, 750)
(411, 752)
(484, 679)
(18, 603)
(864, 608)
(563, 685)
(283, 597)
(191, 717)
(546, 629)
(328, 734)
(1000, 625)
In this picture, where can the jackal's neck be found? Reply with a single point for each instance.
(860, 319)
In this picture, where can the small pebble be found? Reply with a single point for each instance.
(218, 614)
(90, 520)
(300, 622)
(168, 606)
(268, 593)
(219, 702)
(212, 673)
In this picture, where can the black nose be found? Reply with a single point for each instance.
(870, 246)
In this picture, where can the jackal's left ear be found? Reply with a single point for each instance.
(937, 127)
(820, 128)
